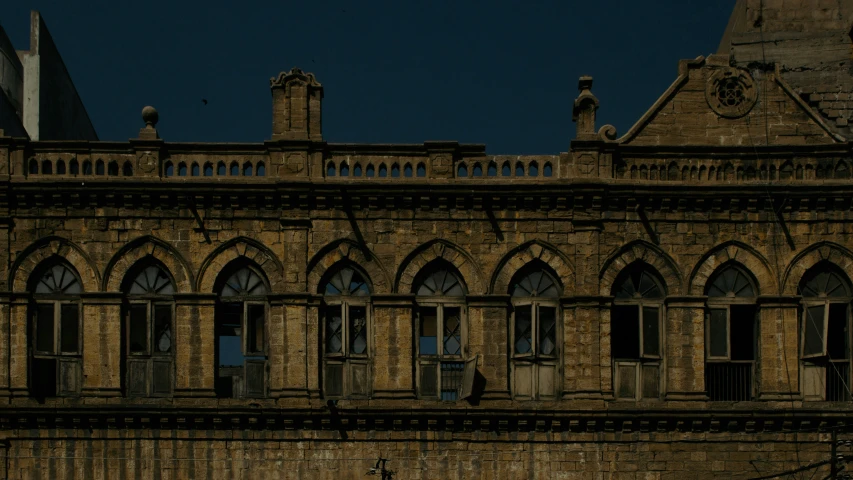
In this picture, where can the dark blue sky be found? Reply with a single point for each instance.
(495, 72)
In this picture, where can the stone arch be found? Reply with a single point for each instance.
(527, 252)
(348, 250)
(240, 247)
(443, 249)
(809, 257)
(733, 251)
(45, 248)
(642, 251)
(143, 247)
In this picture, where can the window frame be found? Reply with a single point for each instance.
(534, 303)
(439, 302)
(725, 303)
(56, 300)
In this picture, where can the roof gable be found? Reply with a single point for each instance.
(714, 104)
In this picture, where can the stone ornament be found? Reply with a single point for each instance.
(731, 92)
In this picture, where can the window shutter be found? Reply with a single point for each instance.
(161, 383)
(814, 330)
(255, 378)
(468, 375)
(547, 331)
(138, 328)
(523, 331)
(137, 375)
(44, 380)
(428, 381)
(255, 329)
(69, 328)
(651, 332)
(334, 380)
(718, 334)
(626, 380)
(69, 377)
(359, 378)
(334, 330)
(523, 380)
(651, 381)
(546, 381)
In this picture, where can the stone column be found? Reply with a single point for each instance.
(289, 346)
(684, 348)
(102, 341)
(586, 341)
(777, 354)
(488, 336)
(392, 344)
(194, 342)
(18, 351)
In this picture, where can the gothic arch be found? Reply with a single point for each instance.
(45, 248)
(738, 252)
(811, 255)
(347, 250)
(240, 247)
(140, 248)
(527, 252)
(448, 251)
(643, 251)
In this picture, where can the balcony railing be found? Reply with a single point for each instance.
(729, 382)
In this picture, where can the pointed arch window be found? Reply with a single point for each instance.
(534, 332)
(825, 333)
(56, 351)
(635, 333)
(241, 346)
(730, 334)
(150, 313)
(441, 331)
(346, 333)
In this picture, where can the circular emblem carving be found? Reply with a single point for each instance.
(731, 92)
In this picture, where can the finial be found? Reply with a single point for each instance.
(150, 116)
(584, 83)
(584, 109)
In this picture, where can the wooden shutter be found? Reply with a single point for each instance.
(70, 377)
(359, 378)
(255, 383)
(468, 375)
(523, 380)
(814, 329)
(137, 377)
(334, 380)
(626, 380)
(161, 381)
(428, 381)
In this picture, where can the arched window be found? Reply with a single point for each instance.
(395, 171)
(99, 167)
(825, 333)
(462, 171)
(506, 170)
(519, 169)
(127, 169)
(112, 169)
(421, 170)
(407, 170)
(149, 331)
(247, 169)
(356, 171)
(441, 331)
(370, 171)
(168, 169)
(56, 351)
(262, 169)
(344, 169)
(182, 169)
(383, 171)
(477, 171)
(346, 332)
(208, 169)
(220, 169)
(60, 167)
(534, 332)
(235, 169)
(46, 167)
(533, 169)
(730, 334)
(196, 170)
(493, 169)
(87, 167)
(330, 169)
(547, 170)
(74, 167)
(241, 334)
(34, 167)
(635, 332)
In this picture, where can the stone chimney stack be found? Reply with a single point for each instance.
(296, 106)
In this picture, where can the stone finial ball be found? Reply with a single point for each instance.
(150, 116)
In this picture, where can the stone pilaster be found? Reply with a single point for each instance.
(393, 354)
(195, 366)
(777, 356)
(684, 334)
(102, 342)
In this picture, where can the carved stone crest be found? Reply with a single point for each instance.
(731, 92)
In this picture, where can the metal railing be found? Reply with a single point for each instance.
(729, 382)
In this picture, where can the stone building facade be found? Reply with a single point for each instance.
(670, 303)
